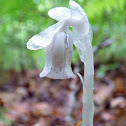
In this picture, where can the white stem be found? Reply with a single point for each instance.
(88, 105)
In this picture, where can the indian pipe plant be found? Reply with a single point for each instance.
(58, 42)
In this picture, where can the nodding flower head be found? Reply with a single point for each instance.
(58, 58)
(58, 40)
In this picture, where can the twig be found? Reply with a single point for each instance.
(103, 44)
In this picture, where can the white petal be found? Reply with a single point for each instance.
(48, 60)
(44, 38)
(75, 6)
(82, 27)
(58, 57)
(68, 52)
(78, 44)
(61, 13)
(90, 34)
(35, 42)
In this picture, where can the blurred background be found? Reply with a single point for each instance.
(27, 100)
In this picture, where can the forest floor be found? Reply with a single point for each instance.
(27, 100)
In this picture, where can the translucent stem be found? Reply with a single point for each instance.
(88, 105)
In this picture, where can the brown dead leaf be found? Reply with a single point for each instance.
(102, 95)
(41, 109)
(9, 96)
(118, 85)
(21, 91)
(42, 122)
(58, 111)
(106, 116)
(1, 102)
(18, 112)
(78, 123)
(118, 102)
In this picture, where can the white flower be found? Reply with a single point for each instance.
(58, 58)
(58, 40)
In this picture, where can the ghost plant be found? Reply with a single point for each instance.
(58, 42)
